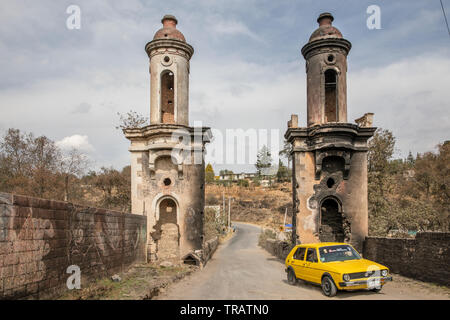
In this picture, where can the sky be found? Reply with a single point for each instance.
(247, 71)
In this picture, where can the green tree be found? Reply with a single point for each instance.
(286, 152)
(29, 165)
(226, 171)
(263, 160)
(381, 148)
(410, 159)
(407, 195)
(209, 173)
(283, 172)
(115, 187)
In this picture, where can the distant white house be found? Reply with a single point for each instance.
(237, 176)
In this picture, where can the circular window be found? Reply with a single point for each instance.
(166, 59)
(167, 182)
(330, 59)
(330, 182)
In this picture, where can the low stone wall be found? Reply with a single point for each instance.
(40, 239)
(209, 247)
(426, 257)
(278, 248)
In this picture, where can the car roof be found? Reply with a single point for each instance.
(321, 244)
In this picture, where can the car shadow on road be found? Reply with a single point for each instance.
(340, 294)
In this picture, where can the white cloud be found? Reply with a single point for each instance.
(409, 97)
(76, 141)
(77, 81)
(82, 108)
(233, 27)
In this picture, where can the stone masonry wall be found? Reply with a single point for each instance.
(427, 257)
(278, 248)
(209, 247)
(40, 239)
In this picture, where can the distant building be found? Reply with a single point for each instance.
(237, 176)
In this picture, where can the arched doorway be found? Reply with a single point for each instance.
(331, 221)
(166, 232)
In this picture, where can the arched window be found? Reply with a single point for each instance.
(167, 97)
(331, 109)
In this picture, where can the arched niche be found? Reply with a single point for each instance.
(166, 159)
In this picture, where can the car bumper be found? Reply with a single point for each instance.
(369, 283)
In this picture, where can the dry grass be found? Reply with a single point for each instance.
(142, 281)
(258, 205)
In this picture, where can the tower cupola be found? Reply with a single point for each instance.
(326, 68)
(169, 74)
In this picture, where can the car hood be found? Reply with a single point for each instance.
(351, 266)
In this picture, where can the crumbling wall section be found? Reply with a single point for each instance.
(277, 248)
(427, 257)
(40, 239)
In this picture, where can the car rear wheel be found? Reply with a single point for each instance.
(328, 287)
(376, 289)
(291, 278)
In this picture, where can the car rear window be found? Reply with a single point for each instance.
(338, 253)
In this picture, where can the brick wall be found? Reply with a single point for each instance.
(40, 239)
(426, 257)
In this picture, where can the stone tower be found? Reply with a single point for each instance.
(167, 157)
(329, 176)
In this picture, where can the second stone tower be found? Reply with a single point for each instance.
(329, 176)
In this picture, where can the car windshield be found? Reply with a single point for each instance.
(338, 253)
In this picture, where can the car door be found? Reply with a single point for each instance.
(298, 262)
(312, 269)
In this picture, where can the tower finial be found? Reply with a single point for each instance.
(169, 21)
(325, 18)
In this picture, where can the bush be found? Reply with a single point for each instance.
(213, 226)
(243, 183)
(211, 199)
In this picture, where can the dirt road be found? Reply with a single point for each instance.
(242, 270)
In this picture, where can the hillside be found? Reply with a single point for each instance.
(255, 204)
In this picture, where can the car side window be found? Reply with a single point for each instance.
(300, 254)
(311, 255)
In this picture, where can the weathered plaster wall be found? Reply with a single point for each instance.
(427, 257)
(186, 190)
(40, 239)
(315, 69)
(351, 192)
(178, 64)
(307, 216)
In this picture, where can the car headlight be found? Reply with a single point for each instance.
(346, 277)
(384, 272)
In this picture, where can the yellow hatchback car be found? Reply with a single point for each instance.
(335, 266)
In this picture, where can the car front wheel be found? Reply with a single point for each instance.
(328, 287)
(291, 278)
